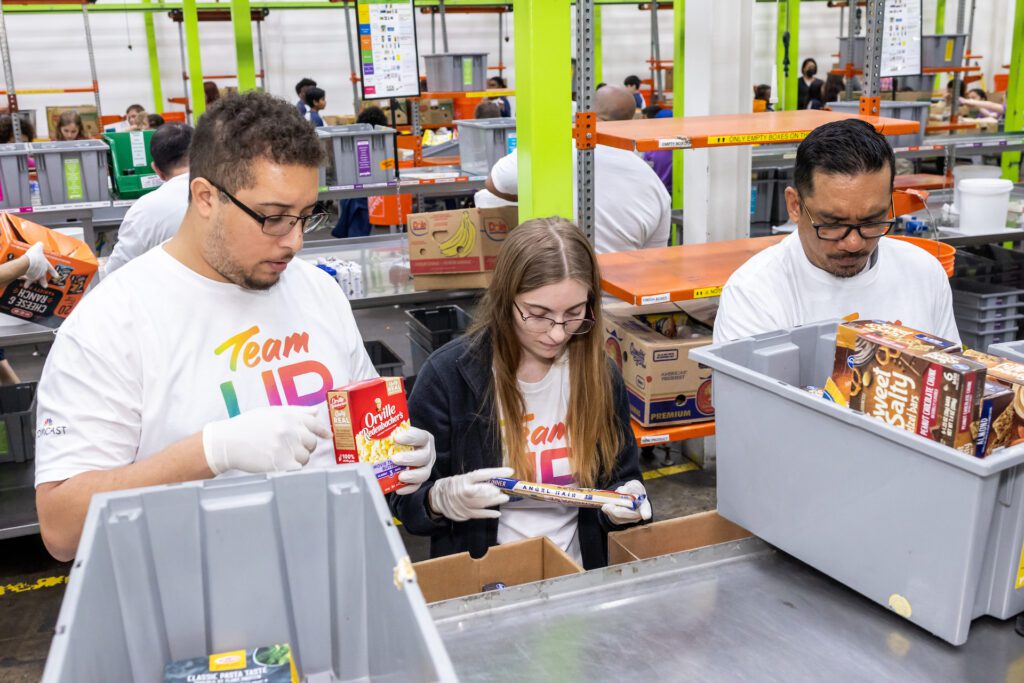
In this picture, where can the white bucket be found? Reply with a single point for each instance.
(985, 203)
(77, 233)
(974, 171)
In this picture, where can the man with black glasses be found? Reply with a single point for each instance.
(212, 353)
(838, 261)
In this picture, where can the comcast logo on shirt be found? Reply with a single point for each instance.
(50, 429)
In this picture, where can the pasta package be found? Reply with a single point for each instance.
(364, 419)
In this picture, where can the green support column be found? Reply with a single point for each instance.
(789, 88)
(543, 40)
(1015, 93)
(195, 63)
(940, 28)
(154, 62)
(678, 92)
(241, 21)
(598, 51)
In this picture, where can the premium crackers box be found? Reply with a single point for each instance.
(364, 417)
(1007, 425)
(910, 380)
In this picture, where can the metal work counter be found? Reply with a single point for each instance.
(735, 612)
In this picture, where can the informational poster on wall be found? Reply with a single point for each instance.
(389, 64)
(901, 38)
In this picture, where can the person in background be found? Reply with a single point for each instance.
(187, 399)
(132, 110)
(660, 160)
(69, 126)
(764, 92)
(316, 101)
(977, 101)
(354, 214)
(838, 262)
(488, 109)
(534, 360)
(814, 95)
(599, 86)
(808, 73)
(155, 121)
(154, 217)
(834, 85)
(300, 90)
(28, 132)
(139, 121)
(211, 92)
(504, 106)
(632, 84)
(33, 268)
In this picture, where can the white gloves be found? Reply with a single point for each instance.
(621, 515)
(39, 269)
(421, 458)
(468, 496)
(272, 439)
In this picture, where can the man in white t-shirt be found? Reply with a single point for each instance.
(212, 353)
(837, 262)
(632, 209)
(154, 218)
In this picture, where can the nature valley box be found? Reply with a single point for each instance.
(71, 258)
(1007, 424)
(272, 664)
(460, 241)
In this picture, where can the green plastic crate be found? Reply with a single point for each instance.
(130, 163)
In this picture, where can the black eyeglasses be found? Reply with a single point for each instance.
(837, 232)
(540, 324)
(278, 225)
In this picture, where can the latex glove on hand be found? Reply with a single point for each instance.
(39, 269)
(622, 515)
(272, 439)
(420, 459)
(469, 496)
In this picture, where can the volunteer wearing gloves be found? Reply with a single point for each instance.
(212, 353)
(838, 262)
(536, 352)
(33, 268)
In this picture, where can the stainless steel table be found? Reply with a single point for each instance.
(735, 612)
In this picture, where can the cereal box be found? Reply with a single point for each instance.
(364, 417)
(1009, 426)
(900, 377)
(271, 664)
(995, 423)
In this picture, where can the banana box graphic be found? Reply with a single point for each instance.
(460, 241)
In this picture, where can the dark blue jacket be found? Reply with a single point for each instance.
(452, 399)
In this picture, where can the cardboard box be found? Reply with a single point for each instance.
(90, 121)
(339, 120)
(364, 417)
(672, 536)
(914, 96)
(272, 664)
(996, 421)
(897, 375)
(436, 112)
(74, 261)
(1008, 424)
(465, 281)
(460, 241)
(513, 564)
(665, 387)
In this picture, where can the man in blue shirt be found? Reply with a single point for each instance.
(300, 90)
(632, 84)
(316, 100)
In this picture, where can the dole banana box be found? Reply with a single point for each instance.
(903, 377)
(651, 347)
(364, 418)
(271, 664)
(71, 258)
(1007, 425)
(460, 241)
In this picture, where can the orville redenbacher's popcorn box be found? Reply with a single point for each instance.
(73, 260)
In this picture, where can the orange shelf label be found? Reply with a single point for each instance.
(757, 138)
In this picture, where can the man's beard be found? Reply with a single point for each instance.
(842, 270)
(221, 260)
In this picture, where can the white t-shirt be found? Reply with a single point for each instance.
(153, 219)
(157, 351)
(632, 208)
(547, 404)
(779, 288)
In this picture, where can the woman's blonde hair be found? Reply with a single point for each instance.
(541, 252)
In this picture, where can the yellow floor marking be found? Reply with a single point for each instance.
(670, 470)
(45, 582)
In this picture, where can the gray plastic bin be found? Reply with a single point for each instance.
(71, 172)
(912, 111)
(943, 50)
(15, 191)
(976, 327)
(859, 52)
(983, 296)
(483, 141)
(18, 422)
(922, 83)
(981, 342)
(456, 71)
(358, 154)
(901, 519)
(1013, 350)
(309, 558)
(762, 195)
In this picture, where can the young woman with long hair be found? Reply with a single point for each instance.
(527, 393)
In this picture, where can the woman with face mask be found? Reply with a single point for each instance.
(808, 72)
(527, 393)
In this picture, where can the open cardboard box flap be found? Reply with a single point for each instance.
(513, 564)
(672, 536)
(54, 243)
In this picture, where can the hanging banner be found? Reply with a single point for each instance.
(389, 65)
(901, 38)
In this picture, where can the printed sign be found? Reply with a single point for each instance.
(388, 60)
(901, 38)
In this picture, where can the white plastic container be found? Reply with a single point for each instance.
(974, 171)
(984, 204)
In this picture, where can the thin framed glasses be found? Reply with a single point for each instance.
(837, 232)
(277, 225)
(539, 324)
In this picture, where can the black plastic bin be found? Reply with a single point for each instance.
(431, 328)
(384, 359)
(18, 427)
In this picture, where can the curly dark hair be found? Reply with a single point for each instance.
(238, 129)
